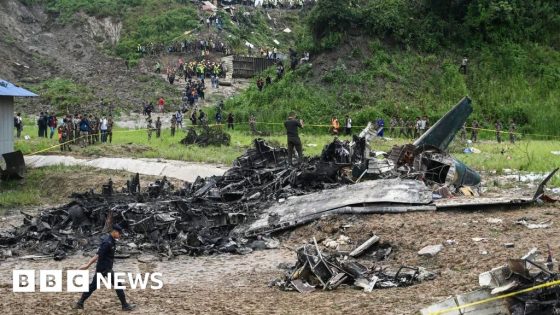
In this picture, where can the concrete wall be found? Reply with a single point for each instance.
(6, 124)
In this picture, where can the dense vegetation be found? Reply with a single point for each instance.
(401, 58)
(431, 24)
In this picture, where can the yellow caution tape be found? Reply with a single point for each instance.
(492, 299)
(314, 125)
(515, 133)
(73, 140)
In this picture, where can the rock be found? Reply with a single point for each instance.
(494, 221)
(479, 239)
(509, 245)
(430, 250)
(329, 243)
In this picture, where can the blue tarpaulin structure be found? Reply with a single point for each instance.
(9, 89)
(7, 93)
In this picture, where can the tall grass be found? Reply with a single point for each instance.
(512, 81)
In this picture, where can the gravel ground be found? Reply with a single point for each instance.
(226, 284)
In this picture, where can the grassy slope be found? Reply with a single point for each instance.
(520, 82)
(68, 96)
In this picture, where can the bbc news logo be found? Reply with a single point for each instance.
(78, 281)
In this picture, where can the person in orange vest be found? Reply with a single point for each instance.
(335, 125)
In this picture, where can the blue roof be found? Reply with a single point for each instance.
(8, 89)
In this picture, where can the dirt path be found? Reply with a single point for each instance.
(158, 167)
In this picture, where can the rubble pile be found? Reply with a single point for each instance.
(194, 219)
(316, 269)
(525, 286)
(206, 136)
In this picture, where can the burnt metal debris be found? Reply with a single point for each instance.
(426, 159)
(316, 269)
(206, 135)
(194, 219)
(262, 194)
(516, 275)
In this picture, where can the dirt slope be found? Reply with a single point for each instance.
(33, 48)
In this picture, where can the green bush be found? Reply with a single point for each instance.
(65, 95)
(154, 26)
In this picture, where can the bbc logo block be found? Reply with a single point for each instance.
(50, 281)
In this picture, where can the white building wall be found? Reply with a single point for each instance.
(6, 124)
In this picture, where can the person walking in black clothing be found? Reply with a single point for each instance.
(202, 117)
(104, 258)
(292, 132)
(230, 121)
(42, 124)
(173, 125)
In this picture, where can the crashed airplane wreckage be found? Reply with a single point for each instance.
(193, 220)
(414, 177)
(525, 286)
(317, 269)
(261, 194)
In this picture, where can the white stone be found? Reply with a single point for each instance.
(430, 250)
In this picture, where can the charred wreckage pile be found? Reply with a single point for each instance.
(194, 219)
(206, 136)
(524, 286)
(259, 195)
(318, 269)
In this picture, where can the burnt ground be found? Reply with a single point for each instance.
(226, 284)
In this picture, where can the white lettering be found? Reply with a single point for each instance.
(77, 280)
(156, 277)
(106, 281)
(138, 280)
(119, 278)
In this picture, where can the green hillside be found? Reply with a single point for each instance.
(374, 59)
(401, 58)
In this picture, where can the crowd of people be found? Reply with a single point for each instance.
(200, 47)
(271, 4)
(498, 129)
(79, 129)
(414, 128)
(193, 94)
(199, 70)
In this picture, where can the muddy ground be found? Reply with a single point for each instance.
(226, 284)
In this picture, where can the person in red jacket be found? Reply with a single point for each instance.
(161, 103)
